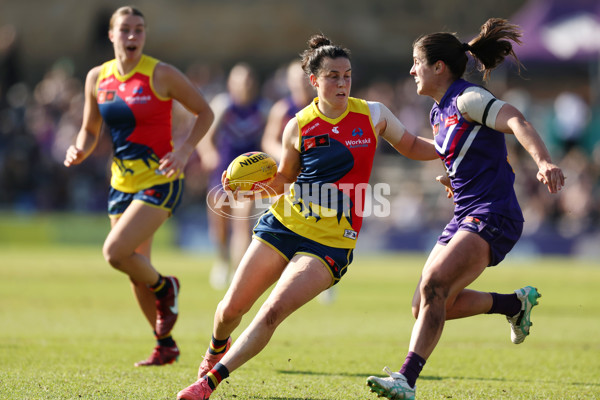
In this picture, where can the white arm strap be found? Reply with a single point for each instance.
(481, 106)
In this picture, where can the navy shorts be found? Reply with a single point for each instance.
(500, 232)
(287, 243)
(166, 196)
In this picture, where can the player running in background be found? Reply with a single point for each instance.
(240, 118)
(469, 124)
(300, 95)
(132, 95)
(302, 246)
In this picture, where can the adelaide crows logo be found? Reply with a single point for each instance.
(357, 132)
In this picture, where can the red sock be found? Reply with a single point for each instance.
(216, 375)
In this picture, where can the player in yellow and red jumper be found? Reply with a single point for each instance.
(132, 95)
(305, 241)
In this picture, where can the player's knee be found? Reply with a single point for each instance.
(433, 291)
(272, 315)
(231, 311)
(112, 255)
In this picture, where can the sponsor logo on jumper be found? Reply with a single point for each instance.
(106, 82)
(358, 143)
(436, 129)
(316, 141)
(335, 129)
(122, 87)
(106, 96)
(451, 120)
(311, 128)
(137, 99)
(357, 132)
(138, 90)
(350, 234)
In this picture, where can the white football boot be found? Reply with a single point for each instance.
(394, 388)
(521, 322)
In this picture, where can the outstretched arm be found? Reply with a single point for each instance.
(407, 144)
(510, 120)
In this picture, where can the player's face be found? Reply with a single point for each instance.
(128, 36)
(334, 81)
(422, 73)
(242, 85)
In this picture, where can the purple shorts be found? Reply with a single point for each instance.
(500, 232)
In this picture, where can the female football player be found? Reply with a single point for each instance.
(306, 239)
(240, 117)
(132, 95)
(469, 124)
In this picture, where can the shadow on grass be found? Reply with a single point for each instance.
(432, 378)
(297, 372)
(536, 381)
(347, 374)
(289, 398)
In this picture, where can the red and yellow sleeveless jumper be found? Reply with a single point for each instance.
(325, 203)
(140, 124)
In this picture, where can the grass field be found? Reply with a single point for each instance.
(71, 330)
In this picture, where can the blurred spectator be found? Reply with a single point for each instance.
(240, 117)
(571, 117)
(210, 79)
(299, 95)
(576, 205)
(9, 60)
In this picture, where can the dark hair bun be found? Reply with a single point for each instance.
(317, 41)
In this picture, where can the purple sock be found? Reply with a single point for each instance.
(506, 304)
(412, 367)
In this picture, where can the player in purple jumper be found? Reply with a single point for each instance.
(469, 124)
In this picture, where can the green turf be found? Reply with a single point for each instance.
(71, 330)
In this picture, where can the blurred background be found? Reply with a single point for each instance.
(47, 47)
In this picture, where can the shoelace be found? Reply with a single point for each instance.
(392, 374)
